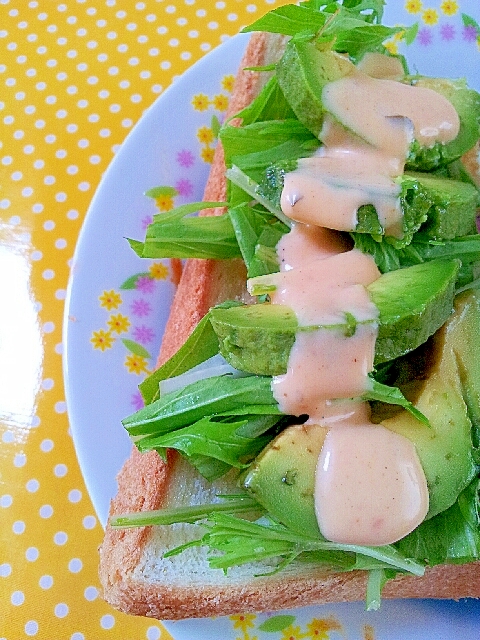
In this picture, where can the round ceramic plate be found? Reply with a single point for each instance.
(117, 306)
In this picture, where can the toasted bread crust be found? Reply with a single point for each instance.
(145, 479)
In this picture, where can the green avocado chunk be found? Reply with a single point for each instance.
(258, 338)
(304, 71)
(413, 303)
(467, 104)
(450, 399)
(453, 206)
(282, 477)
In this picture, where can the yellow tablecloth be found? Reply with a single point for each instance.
(75, 77)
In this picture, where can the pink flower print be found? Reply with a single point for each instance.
(140, 308)
(143, 334)
(447, 31)
(424, 37)
(469, 33)
(185, 158)
(137, 401)
(146, 221)
(184, 187)
(145, 284)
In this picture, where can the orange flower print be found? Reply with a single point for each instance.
(449, 7)
(228, 82)
(158, 271)
(110, 300)
(200, 102)
(243, 621)
(164, 202)
(292, 633)
(392, 47)
(430, 17)
(368, 632)
(118, 323)
(220, 102)
(207, 154)
(320, 628)
(102, 340)
(136, 364)
(413, 6)
(205, 135)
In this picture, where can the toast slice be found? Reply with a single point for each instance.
(136, 578)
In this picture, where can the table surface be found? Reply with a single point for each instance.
(76, 76)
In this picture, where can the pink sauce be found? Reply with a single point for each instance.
(373, 108)
(322, 290)
(329, 365)
(369, 499)
(370, 486)
(329, 188)
(307, 242)
(377, 65)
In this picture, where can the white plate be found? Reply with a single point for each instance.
(166, 148)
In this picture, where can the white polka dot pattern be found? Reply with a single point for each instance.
(75, 77)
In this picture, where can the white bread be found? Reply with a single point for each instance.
(135, 577)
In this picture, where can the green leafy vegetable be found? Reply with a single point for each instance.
(201, 345)
(191, 237)
(452, 536)
(269, 104)
(289, 20)
(421, 249)
(219, 437)
(258, 234)
(392, 395)
(218, 394)
(233, 541)
(188, 514)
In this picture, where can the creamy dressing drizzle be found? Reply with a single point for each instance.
(327, 189)
(376, 108)
(376, 498)
(360, 498)
(325, 364)
(377, 65)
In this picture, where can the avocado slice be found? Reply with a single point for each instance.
(258, 338)
(303, 71)
(453, 206)
(450, 399)
(465, 326)
(413, 303)
(467, 104)
(282, 478)
(441, 207)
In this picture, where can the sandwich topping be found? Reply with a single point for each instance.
(359, 499)
(352, 416)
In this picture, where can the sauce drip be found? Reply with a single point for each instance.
(378, 498)
(370, 486)
(329, 188)
(375, 109)
(377, 65)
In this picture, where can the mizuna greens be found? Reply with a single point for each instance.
(223, 423)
